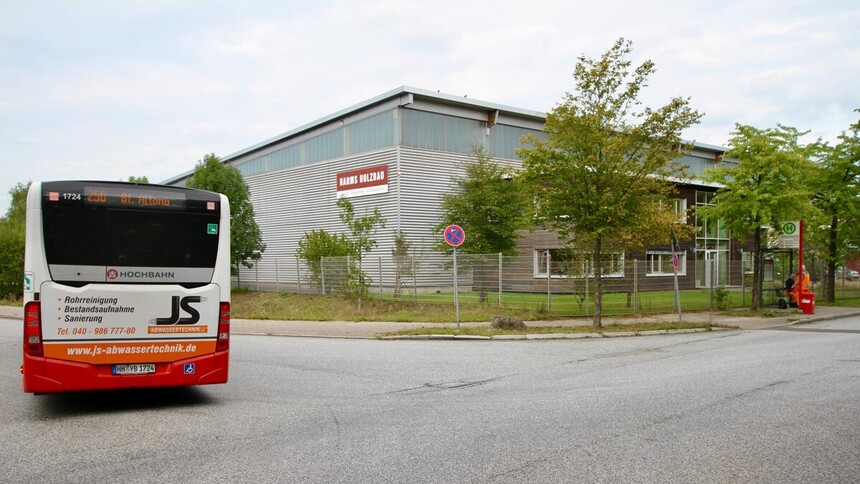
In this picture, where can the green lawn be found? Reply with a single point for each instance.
(571, 305)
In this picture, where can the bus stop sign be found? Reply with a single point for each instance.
(454, 235)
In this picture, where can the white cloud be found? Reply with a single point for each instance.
(108, 90)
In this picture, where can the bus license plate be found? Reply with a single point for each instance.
(134, 369)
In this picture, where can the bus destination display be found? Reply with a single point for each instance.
(122, 197)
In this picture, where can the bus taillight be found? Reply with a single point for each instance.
(224, 327)
(33, 329)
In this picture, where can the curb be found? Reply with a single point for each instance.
(817, 319)
(546, 336)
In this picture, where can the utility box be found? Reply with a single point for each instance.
(806, 302)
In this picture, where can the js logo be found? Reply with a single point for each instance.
(185, 304)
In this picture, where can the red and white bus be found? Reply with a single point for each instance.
(125, 285)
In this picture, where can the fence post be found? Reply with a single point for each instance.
(257, 276)
(548, 279)
(298, 278)
(414, 283)
(587, 271)
(322, 274)
(843, 281)
(635, 286)
(711, 283)
(500, 280)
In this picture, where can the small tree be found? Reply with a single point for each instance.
(603, 170)
(138, 179)
(246, 241)
(488, 202)
(402, 260)
(767, 187)
(360, 239)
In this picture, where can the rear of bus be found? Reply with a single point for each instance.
(125, 286)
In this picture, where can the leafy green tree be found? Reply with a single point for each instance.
(837, 196)
(361, 241)
(488, 203)
(246, 241)
(318, 244)
(601, 174)
(138, 179)
(766, 188)
(12, 238)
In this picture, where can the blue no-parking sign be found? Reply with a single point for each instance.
(454, 235)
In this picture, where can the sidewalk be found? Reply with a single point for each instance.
(345, 329)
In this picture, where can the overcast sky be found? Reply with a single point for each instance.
(109, 89)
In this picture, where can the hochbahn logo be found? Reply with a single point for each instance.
(114, 274)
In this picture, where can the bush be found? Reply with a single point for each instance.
(11, 259)
(721, 297)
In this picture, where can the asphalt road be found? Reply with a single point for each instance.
(740, 406)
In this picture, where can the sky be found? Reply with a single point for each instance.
(112, 89)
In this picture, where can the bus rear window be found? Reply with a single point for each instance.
(104, 236)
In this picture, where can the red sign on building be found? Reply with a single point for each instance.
(365, 181)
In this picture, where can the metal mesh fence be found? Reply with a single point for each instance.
(559, 288)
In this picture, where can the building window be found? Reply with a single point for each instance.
(659, 263)
(705, 198)
(570, 263)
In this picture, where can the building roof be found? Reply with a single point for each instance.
(407, 95)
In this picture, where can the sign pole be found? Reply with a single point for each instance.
(455, 236)
(456, 292)
(675, 266)
(677, 293)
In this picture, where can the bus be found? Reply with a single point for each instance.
(125, 286)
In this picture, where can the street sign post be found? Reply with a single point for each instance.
(455, 236)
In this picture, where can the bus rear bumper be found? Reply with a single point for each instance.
(47, 375)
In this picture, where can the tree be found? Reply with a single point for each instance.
(138, 179)
(246, 241)
(837, 196)
(766, 188)
(488, 202)
(12, 241)
(602, 172)
(360, 239)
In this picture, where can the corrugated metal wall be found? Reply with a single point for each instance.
(291, 202)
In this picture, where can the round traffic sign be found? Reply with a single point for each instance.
(454, 235)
